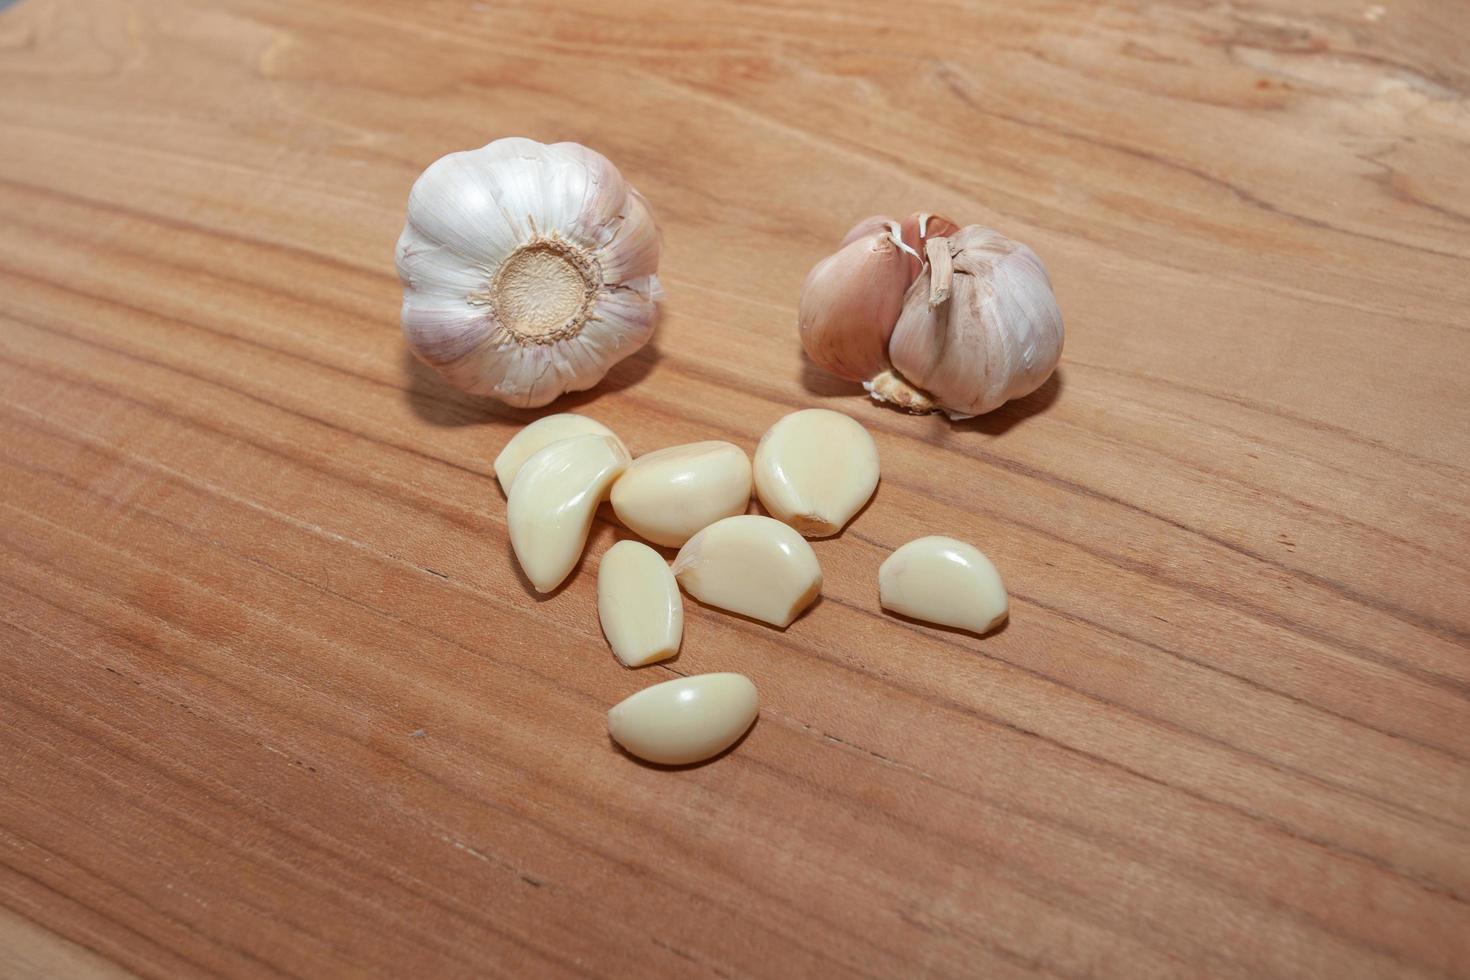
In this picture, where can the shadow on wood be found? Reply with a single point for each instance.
(625, 373)
(439, 403)
(1012, 413)
(661, 767)
(817, 381)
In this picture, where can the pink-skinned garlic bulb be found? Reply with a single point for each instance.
(528, 269)
(933, 317)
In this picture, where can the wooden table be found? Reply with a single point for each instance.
(276, 703)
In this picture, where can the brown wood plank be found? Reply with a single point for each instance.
(278, 704)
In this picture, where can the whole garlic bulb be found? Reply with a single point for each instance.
(527, 269)
(976, 323)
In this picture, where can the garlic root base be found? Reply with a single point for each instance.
(887, 386)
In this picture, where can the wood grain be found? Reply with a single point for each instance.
(277, 703)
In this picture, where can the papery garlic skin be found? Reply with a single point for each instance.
(638, 604)
(815, 469)
(537, 436)
(994, 334)
(851, 300)
(945, 581)
(552, 503)
(916, 231)
(669, 495)
(752, 565)
(528, 269)
(685, 720)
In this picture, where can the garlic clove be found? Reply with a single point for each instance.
(945, 581)
(669, 495)
(850, 303)
(815, 469)
(454, 204)
(537, 436)
(876, 225)
(633, 251)
(553, 500)
(752, 565)
(528, 270)
(594, 194)
(638, 604)
(980, 330)
(685, 720)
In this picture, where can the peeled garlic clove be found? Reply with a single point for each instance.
(537, 436)
(553, 500)
(751, 565)
(945, 581)
(686, 720)
(638, 604)
(668, 495)
(815, 469)
(528, 270)
(851, 301)
(986, 333)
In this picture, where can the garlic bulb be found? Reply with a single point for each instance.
(527, 269)
(970, 327)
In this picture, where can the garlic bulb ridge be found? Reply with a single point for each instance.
(933, 317)
(528, 269)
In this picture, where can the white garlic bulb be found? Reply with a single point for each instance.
(977, 325)
(528, 269)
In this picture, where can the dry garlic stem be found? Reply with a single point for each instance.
(945, 581)
(638, 604)
(669, 495)
(685, 720)
(553, 500)
(815, 469)
(977, 324)
(537, 436)
(751, 565)
(527, 269)
(918, 229)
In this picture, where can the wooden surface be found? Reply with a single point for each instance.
(276, 703)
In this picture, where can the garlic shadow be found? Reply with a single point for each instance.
(621, 532)
(952, 630)
(816, 381)
(624, 374)
(662, 767)
(440, 404)
(1002, 420)
(665, 662)
(751, 619)
(1013, 413)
